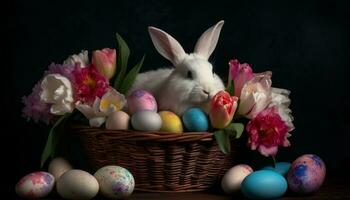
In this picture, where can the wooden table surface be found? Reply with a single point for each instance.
(332, 189)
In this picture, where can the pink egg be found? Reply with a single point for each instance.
(306, 174)
(140, 100)
(35, 185)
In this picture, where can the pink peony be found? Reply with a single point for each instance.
(88, 84)
(267, 131)
(240, 74)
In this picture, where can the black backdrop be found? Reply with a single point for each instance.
(305, 44)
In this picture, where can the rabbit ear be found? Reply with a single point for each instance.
(166, 45)
(207, 42)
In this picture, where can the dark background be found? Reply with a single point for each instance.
(304, 43)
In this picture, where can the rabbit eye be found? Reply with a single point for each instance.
(189, 75)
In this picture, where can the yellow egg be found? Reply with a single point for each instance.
(170, 122)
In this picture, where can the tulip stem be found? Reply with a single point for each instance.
(274, 161)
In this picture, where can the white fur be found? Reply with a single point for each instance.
(171, 87)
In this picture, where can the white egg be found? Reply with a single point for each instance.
(58, 166)
(35, 185)
(146, 121)
(231, 182)
(118, 121)
(77, 184)
(115, 182)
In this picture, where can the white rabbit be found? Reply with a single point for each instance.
(192, 82)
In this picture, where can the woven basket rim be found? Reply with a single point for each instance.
(133, 135)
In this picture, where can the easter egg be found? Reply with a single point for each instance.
(58, 166)
(170, 122)
(115, 182)
(35, 185)
(141, 100)
(281, 168)
(77, 184)
(264, 184)
(306, 174)
(231, 181)
(195, 120)
(118, 121)
(146, 121)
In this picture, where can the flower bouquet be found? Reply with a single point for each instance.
(161, 156)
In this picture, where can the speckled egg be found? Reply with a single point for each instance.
(146, 121)
(170, 122)
(118, 121)
(77, 184)
(280, 167)
(115, 182)
(35, 185)
(58, 166)
(141, 100)
(306, 174)
(231, 182)
(195, 120)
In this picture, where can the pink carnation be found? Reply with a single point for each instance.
(35, 108)
(88, 84)
(267, 131)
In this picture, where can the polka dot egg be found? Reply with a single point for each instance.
(35, 185)
(115, 182)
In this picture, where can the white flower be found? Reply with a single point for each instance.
(281, 100)
(255, 95)
(82, 58)
(57, 90)
(110, 102)
(280, 97)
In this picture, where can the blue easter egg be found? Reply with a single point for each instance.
(264, 184)
(281, 168)
(195, 120)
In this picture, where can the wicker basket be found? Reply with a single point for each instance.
(159, 161)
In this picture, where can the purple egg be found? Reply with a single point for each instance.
(140, 100)
(306, 174)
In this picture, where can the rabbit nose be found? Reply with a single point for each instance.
(206, 92)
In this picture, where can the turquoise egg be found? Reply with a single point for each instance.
(264, 184)
(195, 120)
(281, 168)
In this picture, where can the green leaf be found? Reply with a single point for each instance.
(236, 129)
(122, 61)
(231, 88)
(223, 136)
(51, 142)
(131, 76)
(223, 140)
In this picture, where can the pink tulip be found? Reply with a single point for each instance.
(105, 61)
(240, 74)
(255, 95)
(223, 107)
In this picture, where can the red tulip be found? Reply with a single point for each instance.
(223, 107)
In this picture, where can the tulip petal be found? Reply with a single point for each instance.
(61, 109)
(97, 121)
